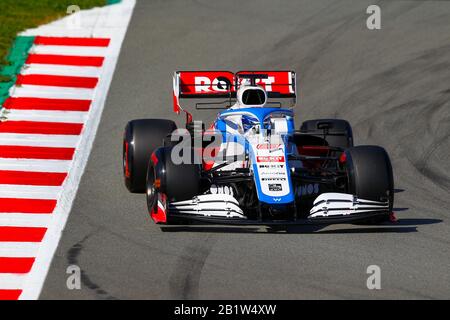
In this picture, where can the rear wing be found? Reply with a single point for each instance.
(224, 85)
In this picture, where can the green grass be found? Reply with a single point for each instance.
(19, 15)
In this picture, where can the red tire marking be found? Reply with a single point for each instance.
(68, 41)
(32, 178)
(16, 265)
(127, 166)
(10, 294)
(159, 213)
(22, 234)
(48, 153)
(37, 206)
(84, 61)
(47, 104)
(57, 81)
(154, 159)
(37, 127)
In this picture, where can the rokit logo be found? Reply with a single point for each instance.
(204, 84)
(223, 84)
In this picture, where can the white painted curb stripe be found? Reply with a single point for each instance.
(60, 70)
(35, 165)
(29, 192)
(38, 140)
(70, 50)
(46, 116)
(51, 92)
(22, 220)
(19, 249)
(12, 281)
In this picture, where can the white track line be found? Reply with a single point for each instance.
(51, 92)
(70, 50)
(29, 192)
(19, 249)
(35, 165)
(38, 140)
(60, 70)
(24, 220)
(46, 116)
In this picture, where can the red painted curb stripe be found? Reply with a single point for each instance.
(48, 153)
(22, 234)
(10, 294)
(37, 127)
(47, 104)
(57, 81)
(38, 206)
(16, 265)
(68, 41)
(32, 178)
(83, 61)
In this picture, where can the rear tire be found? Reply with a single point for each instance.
(370, 175)
(141, 138)
(321, 126)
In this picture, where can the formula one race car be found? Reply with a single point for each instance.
(251, 166)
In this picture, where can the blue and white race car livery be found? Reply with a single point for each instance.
(252, 165)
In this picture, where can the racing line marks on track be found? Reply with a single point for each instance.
(185, 278)
(72, 259)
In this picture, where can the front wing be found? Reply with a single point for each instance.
(328, 208)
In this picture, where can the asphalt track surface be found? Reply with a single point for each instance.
(393, 85)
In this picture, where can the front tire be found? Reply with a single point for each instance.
(177, 182)
(370, 175)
